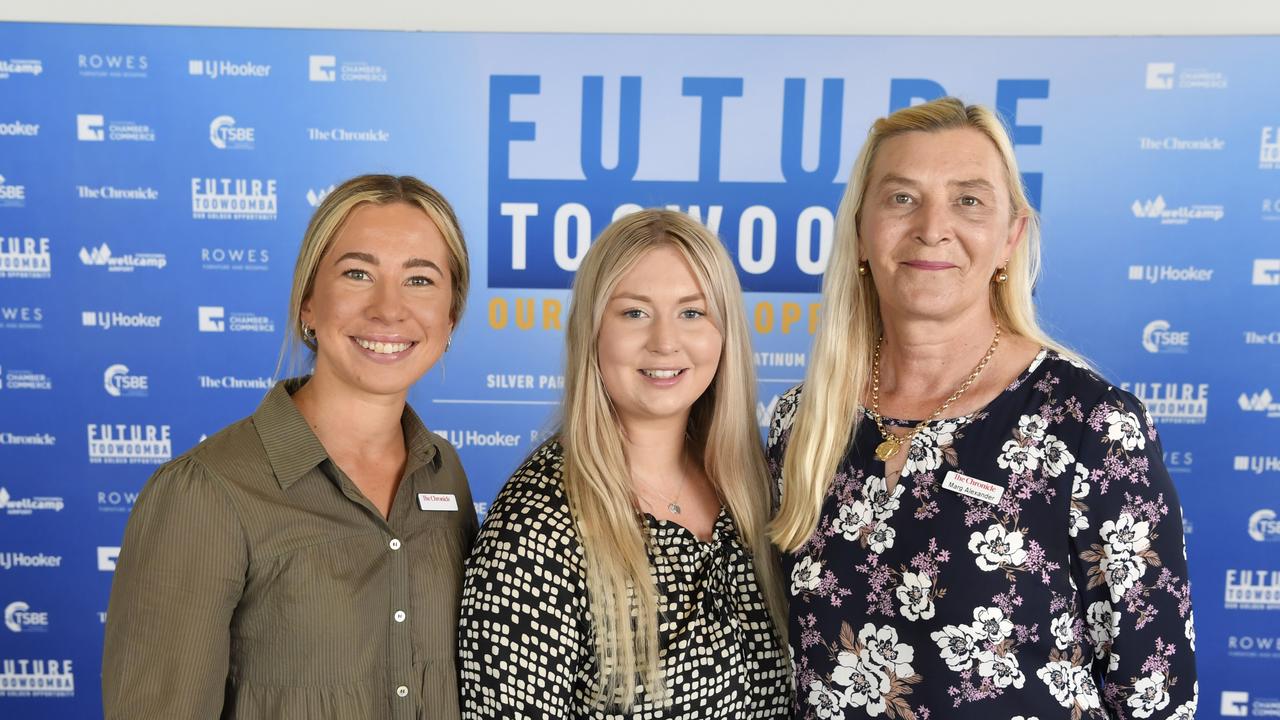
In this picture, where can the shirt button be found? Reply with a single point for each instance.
(395, 543)
(399, 616)
(402, 691)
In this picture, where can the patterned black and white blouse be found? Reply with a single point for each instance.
(1065, 598)
(526, 646)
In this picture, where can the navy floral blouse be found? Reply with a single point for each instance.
(1049, 584)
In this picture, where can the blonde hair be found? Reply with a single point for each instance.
(327, 221)
(828, 414)
(722, 434)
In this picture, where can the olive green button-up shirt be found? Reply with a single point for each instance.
(256, 581)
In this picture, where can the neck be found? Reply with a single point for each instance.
(347, 421)
(927, 357)
(655, 449)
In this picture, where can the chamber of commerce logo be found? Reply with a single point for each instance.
(1256, 464)
(129, 443)
(24, 380)
(18, 128)
(1261, 402)
(113, 65)
(96, 128)
(19, 617)
(36, 677)
(107, 557)
(1160, 76)
(116, 501)
(1158, 338)
(1169, 273)
(225, 134)
(1158, 209)
(228, 382)
(315, 197)
(110, 192)
(10, 560)
(102, 256)
(109, 320)
(326, 68)
(1185, 403)
(12, 194)
(214, 69)
(1179, 144)
(1234, 704)
(19, 317)
(344, 135)
(1269, 148)
(1253, 590)
(1263, 526)
(118, 382)
(233, 199)
(215, 318)
(28, 506)
(1165, 76)
(221, 258)
(15, 66)
(25, 257)
(1266, 271)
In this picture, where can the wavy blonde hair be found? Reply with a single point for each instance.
(840, 362)
(722, 434)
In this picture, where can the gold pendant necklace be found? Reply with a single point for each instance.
(892, 443)
(673, 504)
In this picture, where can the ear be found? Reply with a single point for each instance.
(1017, 232)
(305, 314)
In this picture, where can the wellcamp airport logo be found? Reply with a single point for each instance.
(12, 194)
(96, 128)
(1158, 209)
(25, 257)
(1269, 148)
(128, 443)
(1181, 403)
(119, 382)
(113, 65)
(315, 197)
(225, 134)
(14, 380)
(36, 677)
(15, 66)
(102, 256)
(327, 69)
(1263, 526)
(1261, 402)
(11, 505)
(114, 320)
(19, 618)
(1166, 76)
(17, 128)
(215, 69)
(1169, 273)
(1266, 271)
(221, 198)
(216, 319)
(1157, 337)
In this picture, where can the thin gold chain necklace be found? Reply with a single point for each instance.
(673, 504)
(892, 443)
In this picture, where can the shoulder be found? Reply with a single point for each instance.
(533, 502)
(230, 452)
(1067, 377)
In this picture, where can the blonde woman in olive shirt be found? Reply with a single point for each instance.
(306, 561)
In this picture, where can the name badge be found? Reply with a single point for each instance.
(973, 487)
(435, 501)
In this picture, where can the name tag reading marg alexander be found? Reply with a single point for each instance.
(436, 501)
(973, 487)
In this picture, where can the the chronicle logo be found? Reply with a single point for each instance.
(1266, 271)
(113, 65)
(36, 677)
(1158, 209)
(1261, 402)
(326, 68)
(220, 258)
(110, 192)
(1252, 590)
(216, 319)
(1269, 148)
(1256, 464)
(1184, 403)
(343, 135)
(19, 617)
(28, 506)
(25, 257)
(233, 199)
(228, 382)
(1165, 76)
(20, 317)
(214, 69)
(315, 197)
(1158, 338)
(114, 319)
(225, 134)
(96, 128)
(1169, 273)
(1179, 144)
(1253, 337)
(119, 382)
(10, 559)
(1263, 526)
(102, 256)
(17, 128)
(11, 193)
(14, 66)
(36, 440)
(128, 443)
(24, 380)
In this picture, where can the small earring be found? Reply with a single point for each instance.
(308, 333)
(1001, 276)
(448, 343)
(864, 267)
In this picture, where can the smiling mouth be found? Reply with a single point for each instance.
(383, 348)
(662, 374)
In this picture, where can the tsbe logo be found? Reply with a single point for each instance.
(36, 677)
(344, 135)
(222, 258)
(1252, 589)
(214, 69)
(1184, 403)
(28, 506)
(113, 319)
(10, 560)
(15, 66)
(326, 68)
(1266, 271)
(128, 443)
(107, 557)
(17, 128)
(1165, 76)
(315, 197)
(225, 134)
(102, 256)
(11, 193)
(24, 380)
(21, 317)
(1158, 338)
(118, 382)
(95, 128)
(1261, 402)
(19, 617)
(113, 65)
(111, 192)
(1158, 209)
(25, 257)
(224, 198)
(1256, 464)
(215, 318)
(1269, 148)
(1263, 526)
(1169, 273)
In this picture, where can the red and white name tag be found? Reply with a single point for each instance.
(437, 501)
(973, 487)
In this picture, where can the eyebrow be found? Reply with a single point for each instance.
(369, 258)
(970, 184)
(647, 299)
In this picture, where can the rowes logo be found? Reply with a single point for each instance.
(19, 617)
(18, 317)
(14, 66)
(24, 380)
(233, 199)
(1256, 464)
(111, 319)
(18, 128)
(1271, 209)
(117, 381)
(28, 506)
(112, 65)
(1266, 271)
(11, 194)
(1179, 144)
(214, 69)
(1182, 403)
(107, 557)
(1165, 76)
(25, 257)
(325, 68)
(1169, 273)
(101, 256)
(11, 559)
(1158, 338)
(1178, 461)
(38, 677)
(1263, 526)
(225, 134)
(1253, 590)
(315, 197)
(215, 318)
(110, 192)
(116, 501)
(1260, 402)
(95, 128)
(220, 258)
(1157, 209)
(1269, 148)
(1253, 646)
(126, 443)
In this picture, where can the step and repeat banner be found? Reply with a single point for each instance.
(155, 184)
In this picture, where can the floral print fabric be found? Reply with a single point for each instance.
(1066, 598)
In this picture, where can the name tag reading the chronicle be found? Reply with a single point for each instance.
(973, 487)
(435, 501)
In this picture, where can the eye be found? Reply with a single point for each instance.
(356, 274)
(633, 313)
(901, 199)
(969, 201)
(420, 281)
(692, 314)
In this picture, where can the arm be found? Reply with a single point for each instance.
(178, 580)
(1127, 527)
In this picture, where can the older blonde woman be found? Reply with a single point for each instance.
(976, 525)
(306, 562)
(624, 570)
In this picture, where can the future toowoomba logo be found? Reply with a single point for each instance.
(111, 443)
(233, 198)
(25, 257)
(36, 677)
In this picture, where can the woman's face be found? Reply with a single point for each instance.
(936, 223)
(658, 348)
(381, 299)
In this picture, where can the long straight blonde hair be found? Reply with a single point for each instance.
(829, 412)
(722, 435)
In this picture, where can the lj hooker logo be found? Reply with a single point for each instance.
(129, 444)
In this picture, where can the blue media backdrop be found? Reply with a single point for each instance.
(156, 183)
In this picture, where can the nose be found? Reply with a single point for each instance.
(933, 223)
(663, 336)
(387, 303)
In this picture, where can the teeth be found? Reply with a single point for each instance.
(383, 348)
(662, 374)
